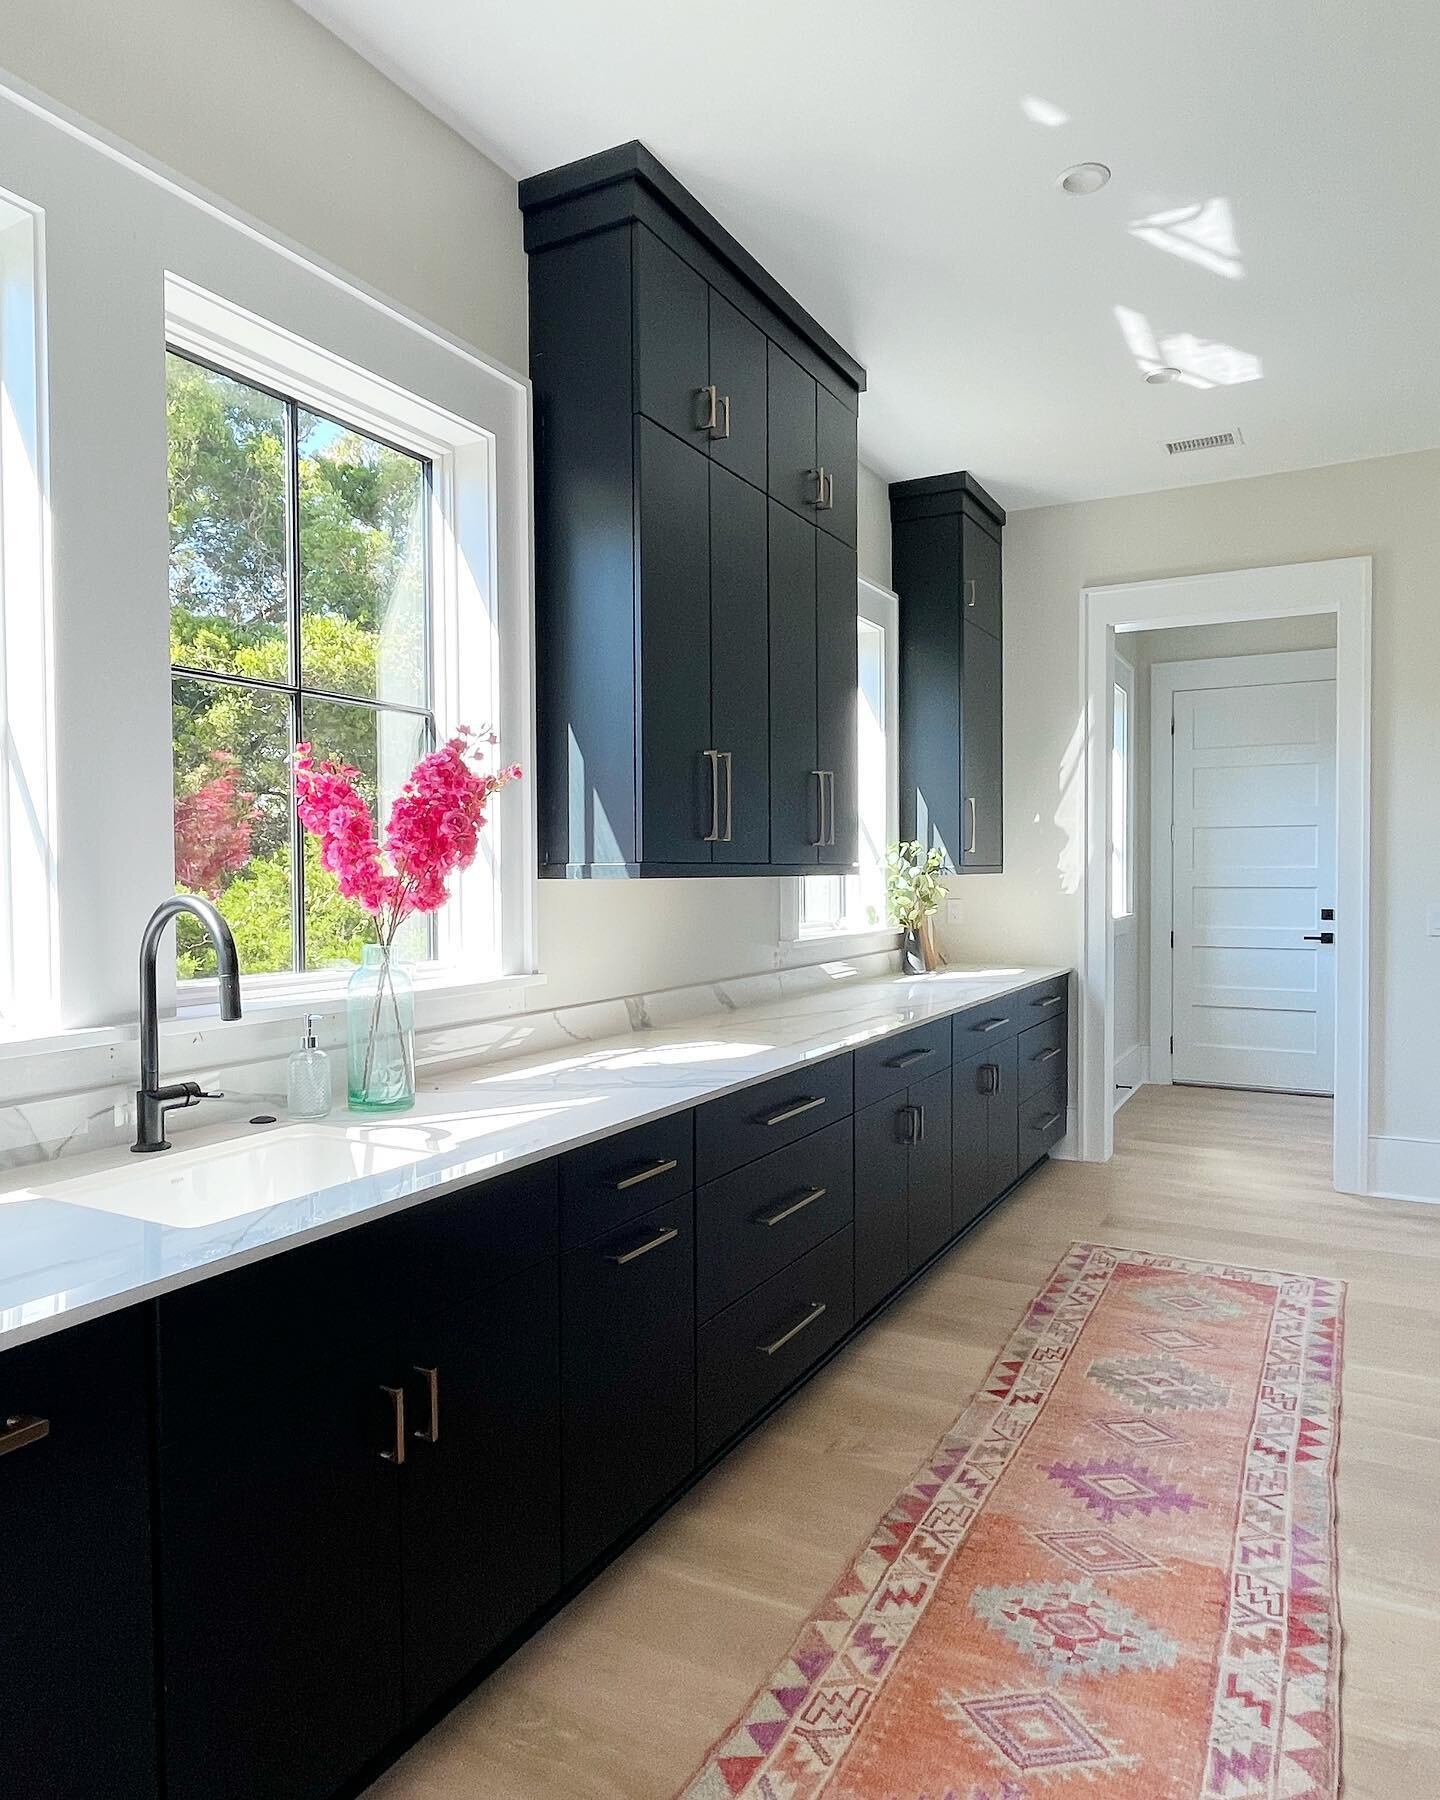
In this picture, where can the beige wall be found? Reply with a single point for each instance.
(1388, 509)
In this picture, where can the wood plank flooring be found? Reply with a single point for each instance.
(619, 1697)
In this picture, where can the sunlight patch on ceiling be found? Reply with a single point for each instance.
(1202, 233)
(1043, 112)
(1202, 362)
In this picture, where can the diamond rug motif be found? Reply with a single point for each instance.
(1073, 1600)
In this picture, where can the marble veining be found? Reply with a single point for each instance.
(62, 1262)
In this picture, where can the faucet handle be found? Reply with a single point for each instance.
(214, 1094)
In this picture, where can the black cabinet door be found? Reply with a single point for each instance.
(930, 1170)
(835, 453)
(627, 1431)
(981, 753)
(926, 563)
(1004, 1119)
(738, 375)
(791, 461)
(794, 781)
(280, 1585)
(882, 1161)
(980, 570)
(671, 312)
(970, 1126)
(480, 1499)
(674, 546)
(77, 1712)
(836, 679)
(739, 669)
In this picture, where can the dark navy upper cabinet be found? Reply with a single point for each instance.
(680, 396)
(946, 560)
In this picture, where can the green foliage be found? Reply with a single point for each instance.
(914, 884)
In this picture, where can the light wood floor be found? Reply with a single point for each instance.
(619, 1697)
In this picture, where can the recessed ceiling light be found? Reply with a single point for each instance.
(1084, 178)
(1161, 376)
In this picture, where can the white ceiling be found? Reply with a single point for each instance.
(1272, 227)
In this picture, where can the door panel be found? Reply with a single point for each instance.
(794, 787)
(738, 370)
(674, 543)
(981, 753)
(791, 459)
(970, 1128)
(930, 1168)
(739, 665)
(481, 1502)
(980, 572)
(1004, 1106)
(835, 426)
(926, 562)
(672, 339)
(1253, 864)
(836, 685)
(882, 1161)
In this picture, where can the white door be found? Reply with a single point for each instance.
(1254, 867)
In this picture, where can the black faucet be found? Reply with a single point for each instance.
(152, 1101)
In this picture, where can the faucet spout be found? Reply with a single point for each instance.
(152, 1101)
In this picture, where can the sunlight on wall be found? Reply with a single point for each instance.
(1070, 812)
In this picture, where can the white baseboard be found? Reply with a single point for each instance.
(1405, 1168)
(1132, 1071)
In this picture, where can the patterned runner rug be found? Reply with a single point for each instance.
(1115, 1577)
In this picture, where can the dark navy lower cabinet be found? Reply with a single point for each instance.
(77, 1696)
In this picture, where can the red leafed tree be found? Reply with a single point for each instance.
(212, 829)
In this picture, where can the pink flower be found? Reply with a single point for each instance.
(434, 828)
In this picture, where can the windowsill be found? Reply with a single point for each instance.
(1125, 925)
(817, 946)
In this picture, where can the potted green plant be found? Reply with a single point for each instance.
(914, 888)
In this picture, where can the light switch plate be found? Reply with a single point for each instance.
(1432, 921)
(955, 912)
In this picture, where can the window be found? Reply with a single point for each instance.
(842, 904)
(1122, 794)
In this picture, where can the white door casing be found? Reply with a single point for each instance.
(1253, 864)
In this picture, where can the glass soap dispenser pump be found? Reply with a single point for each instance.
(307, 1078)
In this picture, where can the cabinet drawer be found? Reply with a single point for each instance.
(887, 1067)
(604, 1185)
(757, 1220)
(1042, 1054)
(743, 1126)
(1044, 1000)
(755, 1349)
(1042, 1122)
(978, 1027)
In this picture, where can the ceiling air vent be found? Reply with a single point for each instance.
(1217, 440)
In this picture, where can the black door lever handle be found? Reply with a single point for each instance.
(1319, 937)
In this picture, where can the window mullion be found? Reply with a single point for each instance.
(292, 611)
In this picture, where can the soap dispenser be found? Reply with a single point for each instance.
(307, 1079)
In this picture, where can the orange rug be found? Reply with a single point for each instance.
(1115, 1577)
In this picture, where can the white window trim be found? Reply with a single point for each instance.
(881, 606)
(1124, 922)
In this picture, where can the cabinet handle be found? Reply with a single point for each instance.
(808, 1104)
(818, 842)
(723, 430)
(1045, 1124)
(807, 1197)
(712, 836)
(990, 1024)
(970, 591)
(916, 1116)
(910, 1056)
(661, 1166)
(989, 1074)
(712, 403)
(19, 1429)
(729, 832)
(816, 1308)
(819, 479)
(1047, 1055)
(396, 1454)
(825, 499)
(830, 782)
(1048, 1000)
(621, 1257)
(1319, 937)
(429, 1433)
(972, 809)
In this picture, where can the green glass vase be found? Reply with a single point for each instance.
(380, 1034)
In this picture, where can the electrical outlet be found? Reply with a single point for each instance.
(955, 912)
(1432, 921)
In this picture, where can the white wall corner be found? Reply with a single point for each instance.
(1404, 1168)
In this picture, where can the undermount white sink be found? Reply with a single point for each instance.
(208, 1186)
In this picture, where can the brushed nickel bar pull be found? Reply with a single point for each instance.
(19, 1429)
(970, 591)
(1047, 1055)
(819, 499)
(729, 833)
(723, 430)
(990, 1025)
(972, 809)
(825, 499)
(1045, 1124)
(712, 405)
(396, 1454)
(910, 1056)
(429, 1433)
(1048, 1000)
(779, 1343)
(621, 1257)
(712, 836)
(793, 1112)
(818, 842)
(806, 1198)
(661, 1166)
(830, 788)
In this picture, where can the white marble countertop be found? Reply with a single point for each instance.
(62, 1262)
